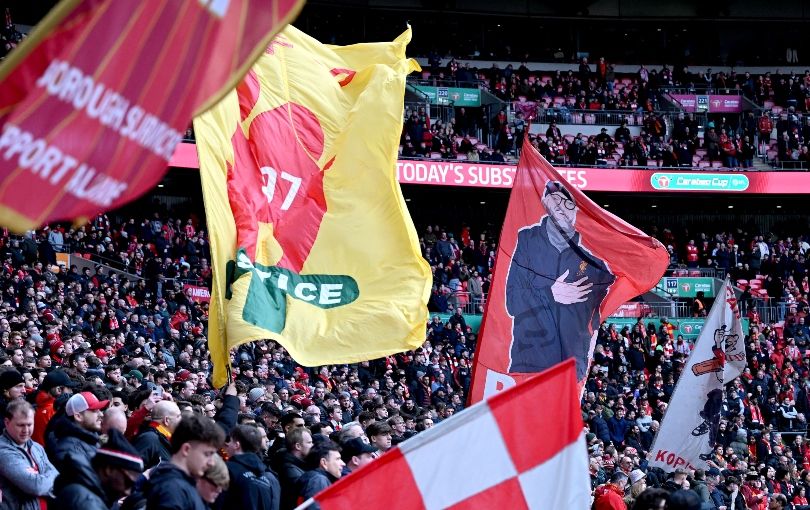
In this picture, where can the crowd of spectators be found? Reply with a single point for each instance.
(732, 141)
(104, 377)
(597, 85)
(761, 459)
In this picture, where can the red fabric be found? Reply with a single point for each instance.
(609, 497)
(371, 487)
(636, 260)
(43, 415)
(134, 422)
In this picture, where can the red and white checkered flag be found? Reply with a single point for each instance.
(521, 449)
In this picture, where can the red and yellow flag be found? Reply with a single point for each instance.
(311, 241)
(93, 103)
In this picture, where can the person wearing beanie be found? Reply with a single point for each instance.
(109, 477)
(58, 352)
(256, 396)
(55, 384)
(12, 387)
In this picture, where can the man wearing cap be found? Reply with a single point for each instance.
(554, 289)
(755, 497)
(109, 477)
(26, 474)
(154, 442)
(76, 433)
(356, 453)
(12, 387)
(55, 384)
(252, 485)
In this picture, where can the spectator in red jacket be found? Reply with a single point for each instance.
(55, 384)
(610, 496)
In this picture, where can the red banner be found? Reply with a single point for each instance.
(625, 180)
(563, 265)
(197, 293)
(94, 102)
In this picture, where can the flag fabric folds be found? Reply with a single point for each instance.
(311, 240)
(690, 428)
(563, 265)
(95, 100)
(488, 456)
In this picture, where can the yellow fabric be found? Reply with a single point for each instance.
(366, 232)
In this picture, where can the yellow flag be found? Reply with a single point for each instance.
(311, 241)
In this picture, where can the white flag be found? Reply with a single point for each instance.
(690, 427)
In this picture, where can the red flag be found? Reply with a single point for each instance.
(93, 103)
(563, 265)
(488, 456)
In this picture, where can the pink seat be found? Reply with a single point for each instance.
(694, 273)
(742, 283)
(717, 164)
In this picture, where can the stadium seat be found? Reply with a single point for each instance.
(742, 283)
(694, 273)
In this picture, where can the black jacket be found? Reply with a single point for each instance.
(314, 482)
(170, 489)
(251, 485)
(152, 446)
(79, 487)
(228, 413)
(69, 439)
(290, 471)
